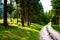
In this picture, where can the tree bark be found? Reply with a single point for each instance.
(59, 20)
(5, 13)
(28, 13)
(28, 17)
(22, 13)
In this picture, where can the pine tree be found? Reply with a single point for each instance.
(56, 7)
(5, 13)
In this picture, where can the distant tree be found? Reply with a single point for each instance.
(31, 11)
(17, 9)
(37, 12)
(47, 17)
(21, 2)
(10, 8)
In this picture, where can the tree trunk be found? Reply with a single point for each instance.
(28, 13)
(11, 17)
(5, 13)
(28, 18)
(22, 13)
(59, 20)
(17, 12)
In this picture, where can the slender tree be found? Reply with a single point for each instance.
(21, 2)
(22, 13)
(10, 8)
(17, 2)
(28, 6)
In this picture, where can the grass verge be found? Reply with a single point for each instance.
(56, 27)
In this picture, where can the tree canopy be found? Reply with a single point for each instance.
(56, 6)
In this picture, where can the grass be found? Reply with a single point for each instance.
(1, 21)
(20, 33)
(36, 26)
(56, 27)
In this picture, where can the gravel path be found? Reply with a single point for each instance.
(48, 33)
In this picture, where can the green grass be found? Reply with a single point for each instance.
(36, 26)
(20, 33)
(1, 21)
(56, 27)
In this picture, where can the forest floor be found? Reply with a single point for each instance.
(48, 33)
(19, 32)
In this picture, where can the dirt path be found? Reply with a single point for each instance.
(48, 33)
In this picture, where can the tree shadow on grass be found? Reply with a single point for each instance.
(8, 26)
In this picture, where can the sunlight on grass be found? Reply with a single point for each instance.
(27, 28)
(18, 32)
(1, 20)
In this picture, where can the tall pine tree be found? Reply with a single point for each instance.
(56, 7)
(5, 13)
